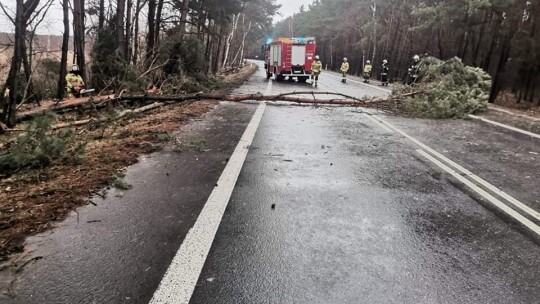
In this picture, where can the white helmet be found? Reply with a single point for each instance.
(385, 61)
(74, 68)
(368, 62)
(317, 57)
(416, 57)
(345, 59)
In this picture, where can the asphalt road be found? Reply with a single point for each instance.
(332, 205)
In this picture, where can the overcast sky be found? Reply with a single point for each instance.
(289, 7)
(53, 22)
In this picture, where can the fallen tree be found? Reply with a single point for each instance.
(345, 100)
(163, 100)
(449, 89)
(65, 105)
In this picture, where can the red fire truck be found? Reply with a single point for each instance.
(289, 57)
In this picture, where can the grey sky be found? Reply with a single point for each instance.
(289, 7)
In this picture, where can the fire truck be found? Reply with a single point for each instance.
(289, 57)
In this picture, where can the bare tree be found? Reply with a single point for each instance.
(78, 35)
(23, 14)
(61, 89)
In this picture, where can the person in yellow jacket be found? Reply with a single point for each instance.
(74, 82)
(316, 68)
(344, 69)
(367, 71)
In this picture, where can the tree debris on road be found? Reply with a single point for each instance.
(447, 89)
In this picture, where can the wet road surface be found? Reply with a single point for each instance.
(360, 217)
(329, 207)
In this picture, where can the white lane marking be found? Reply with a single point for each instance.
(466, 172)
(360, 82)
(511, 212)
(378, 122)
(268, 87)
(505, 126)
(179, 282)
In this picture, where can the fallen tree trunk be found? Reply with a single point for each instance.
(161, 100)
(120, 115)
(347, 100)
(63, 106)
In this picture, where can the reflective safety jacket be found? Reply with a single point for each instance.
(345, 66)
(367, 69)
(316, 67)
(74, 81)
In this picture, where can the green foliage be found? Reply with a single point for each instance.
(448, 89)
(185, 55)
(109, 69)
(50, 65)
(40, 146)
(117, 181)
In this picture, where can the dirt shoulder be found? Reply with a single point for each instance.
(527, 120)
(32, 201)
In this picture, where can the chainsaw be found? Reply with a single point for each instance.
(84, 91)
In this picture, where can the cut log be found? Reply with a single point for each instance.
(120, 115)
(63, 105)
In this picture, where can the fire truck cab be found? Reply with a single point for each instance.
(289, 57)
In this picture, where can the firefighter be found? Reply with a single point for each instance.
(344, 69)
(316, 68)
(367, 71)
(74, 82)
(384, 72)
(412, 73)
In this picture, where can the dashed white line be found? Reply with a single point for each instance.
(179, 282)
(503, 207)
(505, 126)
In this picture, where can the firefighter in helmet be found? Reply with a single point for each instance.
(412, 72)
(344, 69)
(367, 71)
(385, 69)
(74, 82)
(316, 68)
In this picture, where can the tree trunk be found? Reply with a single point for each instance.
(494, 40)
(150, 38)
(61, 89)
(158, 22)
(475, 55)
(136, 33)
(240, 53)
(374, 9)
(497, 79)
(101, 19)
(120, 29)
(9, 109)
(229, 39)
(78, 35)
(129, 32)
(183, 16)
